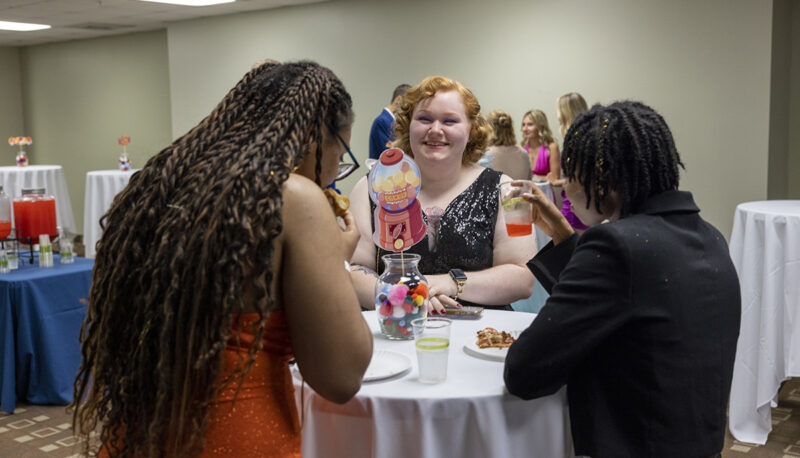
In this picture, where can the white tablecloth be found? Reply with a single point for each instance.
(51, 177)
(469, 415)
(101, 188)
(765, 248)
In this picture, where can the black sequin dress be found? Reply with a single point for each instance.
(466, 233)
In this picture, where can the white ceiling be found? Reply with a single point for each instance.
(77, 19)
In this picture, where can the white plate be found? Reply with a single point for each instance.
(385, 364)
(494, 354)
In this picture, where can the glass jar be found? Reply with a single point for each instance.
(22, 159)
(12, 250)
(5, 215)
(124, 162)
(401, 293)
(35, 214)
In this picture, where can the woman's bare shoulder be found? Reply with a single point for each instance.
(304, 201)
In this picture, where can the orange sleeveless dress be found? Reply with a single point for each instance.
(263, 421)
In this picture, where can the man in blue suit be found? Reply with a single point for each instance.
(382, 132)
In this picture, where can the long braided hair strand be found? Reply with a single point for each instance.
(193, 230)
(625, 147)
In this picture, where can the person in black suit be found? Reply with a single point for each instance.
(643, 314)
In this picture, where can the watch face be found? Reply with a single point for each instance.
(458, 274)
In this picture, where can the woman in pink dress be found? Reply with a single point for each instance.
(568, 107)
(537, 140)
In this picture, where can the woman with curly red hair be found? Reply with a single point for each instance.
(439, 124)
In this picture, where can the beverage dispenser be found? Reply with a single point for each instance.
(5, 214)
(35, 214)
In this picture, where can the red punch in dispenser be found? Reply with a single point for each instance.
(394, 184)
(5, 215)
(35, 214)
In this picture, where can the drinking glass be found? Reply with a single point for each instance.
(45, 251)
(65, 247)
(516, 210)
(432, 341)
(4, 262)
(12, 251)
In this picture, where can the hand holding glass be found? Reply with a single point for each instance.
(516, 210)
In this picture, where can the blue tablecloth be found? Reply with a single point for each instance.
(41, 312)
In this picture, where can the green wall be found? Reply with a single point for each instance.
(11, 114)
(80, 96)
(703, 65)
(794, 110)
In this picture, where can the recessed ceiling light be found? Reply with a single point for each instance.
(21, 26)
(190, 2)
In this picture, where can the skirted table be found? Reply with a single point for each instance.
(50, 177)
(765, 248)
(41, 312)
(469, 415)
(101, 188)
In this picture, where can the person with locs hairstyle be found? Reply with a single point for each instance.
(220, 262)
(643, 315)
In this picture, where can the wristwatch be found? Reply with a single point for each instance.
(460, 278)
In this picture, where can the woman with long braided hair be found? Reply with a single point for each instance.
(643, 314)
(219, 262)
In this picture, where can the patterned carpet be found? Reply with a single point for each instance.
(37, 431)
(45, 431)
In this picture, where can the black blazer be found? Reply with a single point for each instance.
(641, 326)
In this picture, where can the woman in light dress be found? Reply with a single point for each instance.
(503, 154)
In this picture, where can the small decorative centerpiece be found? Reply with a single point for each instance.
(401, 292)
(22, 158)
(400, 295)
(124, 160)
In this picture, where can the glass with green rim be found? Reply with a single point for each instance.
(432, 342)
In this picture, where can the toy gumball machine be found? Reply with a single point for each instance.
(401, 291)
(395, 184)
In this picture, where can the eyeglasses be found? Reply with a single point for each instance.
(345, 168)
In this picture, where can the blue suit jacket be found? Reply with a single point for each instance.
(381, 133)
(641, 326)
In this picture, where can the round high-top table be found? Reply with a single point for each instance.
(469, 415)
(14, 179)
(101, 188)
(765, 248)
